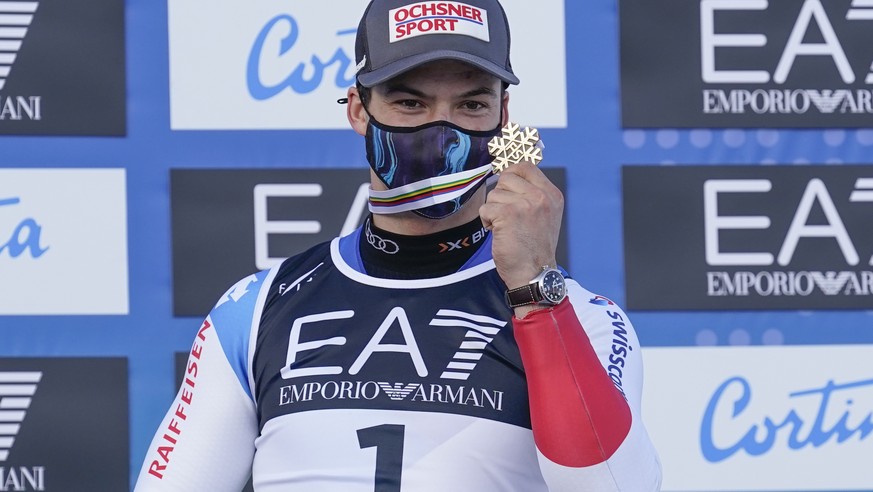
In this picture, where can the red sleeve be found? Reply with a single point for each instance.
(579, 417)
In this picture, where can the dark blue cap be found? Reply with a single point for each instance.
(398, 35)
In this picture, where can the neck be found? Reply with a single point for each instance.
(390, 255)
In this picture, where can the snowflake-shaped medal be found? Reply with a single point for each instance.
(514, 145)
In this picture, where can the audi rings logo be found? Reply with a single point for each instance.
(384, 245)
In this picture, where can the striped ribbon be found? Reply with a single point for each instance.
(427, 192)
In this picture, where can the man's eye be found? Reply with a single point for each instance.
(409, 103)
(473, 105)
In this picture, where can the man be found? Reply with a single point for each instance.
(416, 354)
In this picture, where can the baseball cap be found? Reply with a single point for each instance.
(398, 35)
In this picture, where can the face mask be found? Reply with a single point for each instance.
(431, 169)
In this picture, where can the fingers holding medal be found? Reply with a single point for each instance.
(524, 210)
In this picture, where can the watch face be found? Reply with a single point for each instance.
(554, 287)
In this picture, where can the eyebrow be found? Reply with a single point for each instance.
(482, 91)
(405, 89)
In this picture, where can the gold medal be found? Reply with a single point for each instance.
(515, 144)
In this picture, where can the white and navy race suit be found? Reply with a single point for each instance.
(315, 377)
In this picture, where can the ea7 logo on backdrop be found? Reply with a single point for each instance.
(15, 17)
(84, 40)
(16, 392)
(259, 217)
(816, 194)
(778, 63)
(48, 408)
(750, 237)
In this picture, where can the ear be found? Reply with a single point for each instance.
(358, 117)
(505, 104)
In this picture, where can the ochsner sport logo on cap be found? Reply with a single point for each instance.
(423, 18)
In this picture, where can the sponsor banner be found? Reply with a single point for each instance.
(230, 223)
(746, 63)
(64, 424)
(761, 418)
(62, 67)
(63, 227)
(748, 237)
(284, 63)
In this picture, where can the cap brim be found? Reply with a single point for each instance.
(392, 70)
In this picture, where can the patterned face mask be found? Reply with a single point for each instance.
(431, 169)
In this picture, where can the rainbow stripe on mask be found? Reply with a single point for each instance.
(427, 192)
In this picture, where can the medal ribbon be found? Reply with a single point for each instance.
(426, 192)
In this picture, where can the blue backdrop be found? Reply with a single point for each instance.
(593, 147)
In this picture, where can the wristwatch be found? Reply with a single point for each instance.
(548, 289)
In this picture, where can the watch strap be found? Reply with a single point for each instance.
(523, 296)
